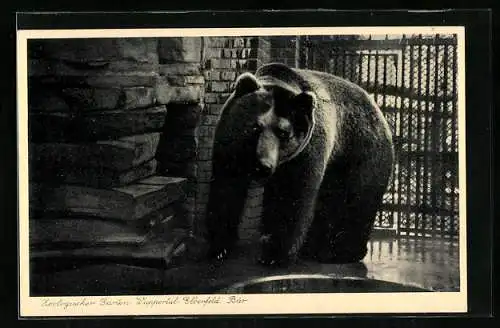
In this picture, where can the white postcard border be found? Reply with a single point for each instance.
(433, 302)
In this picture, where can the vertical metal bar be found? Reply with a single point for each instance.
(326, 60)
(393, 127)
(384, 82)
(440, 137)
(430, 117)
(348, 65)
(351, 66)
(399, 144)
(360, 67)
(335, 60)
(410, 122)
(306, 44)
(426, 131)
(454, 141)
(375, 82)
(401, 127)
(380, 249)
(334, 63)
(368, 67)
(380, 216)
(297, 51)
(418, 163)
(344, 63)
(433, 149)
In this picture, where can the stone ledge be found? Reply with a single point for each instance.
(179, 49)
(97, 177)
(180, 69)
(166, 94)
(103, 125)
(121, 154)
(109, 98)
(184, 80)
(122, 79)
(102, 49)
(126, 203)
(52, 67)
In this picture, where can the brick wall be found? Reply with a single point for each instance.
(224, 59)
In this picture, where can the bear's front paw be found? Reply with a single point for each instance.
(271, 262)
(218, 253)
(271, 254)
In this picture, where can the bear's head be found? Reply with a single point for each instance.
(280, 122)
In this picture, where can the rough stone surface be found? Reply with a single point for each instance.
(121, 154)
(182, 169)
(184, 80)
(181, 149)
(55, 67)
(122, 79)
(95, 125)
(46, 100)
(182, 117)
(92, 98)
(137, 97)
(88, 50)
(98, 177)
(166, 94)
(180, 69)
(88, 95)
(130, 202)
(179, 49)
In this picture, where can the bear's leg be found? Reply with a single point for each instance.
(349, 237)
(347, 206)
(329, 209)
(225, 206)
(288, 211)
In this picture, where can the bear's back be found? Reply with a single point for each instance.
(326, 86)
(337, 89)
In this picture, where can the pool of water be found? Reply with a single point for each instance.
(315, 283)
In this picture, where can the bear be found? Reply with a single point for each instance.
(323, 151)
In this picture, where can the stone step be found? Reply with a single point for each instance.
(53, 230)
(105, 125)
(97, 177)
(120, 154)
(67, 278)
(150, 252)
(130, 202)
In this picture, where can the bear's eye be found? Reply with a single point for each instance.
(283, 134)
(256, 127)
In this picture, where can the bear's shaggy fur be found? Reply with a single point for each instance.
(324, 180)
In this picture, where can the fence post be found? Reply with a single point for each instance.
(297, 51)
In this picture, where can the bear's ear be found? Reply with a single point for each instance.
(246, 83)
(303, 111)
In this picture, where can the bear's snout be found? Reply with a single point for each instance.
(267, 154)
(263, 170)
